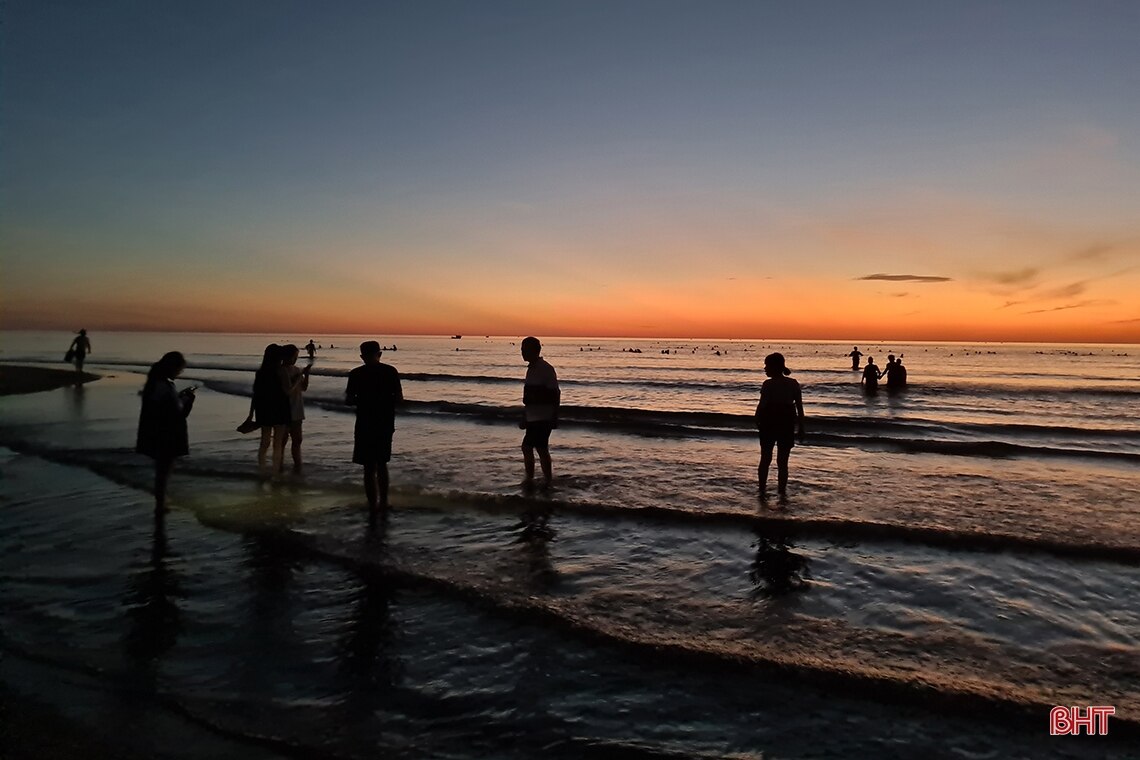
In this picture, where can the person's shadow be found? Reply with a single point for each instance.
(152, 613)
(776, 570)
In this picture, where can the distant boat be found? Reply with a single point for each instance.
(456, 337)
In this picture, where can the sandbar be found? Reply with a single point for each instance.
(19, 379)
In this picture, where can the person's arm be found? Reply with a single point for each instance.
(397, 389)
(350, 391)
(285, 381)
(186, 401)
(800, 411)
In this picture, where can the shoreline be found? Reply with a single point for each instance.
(21, 379)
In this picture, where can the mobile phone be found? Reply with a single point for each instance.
(191, 389)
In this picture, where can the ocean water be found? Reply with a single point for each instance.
(950, 563)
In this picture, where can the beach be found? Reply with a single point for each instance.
(950, 562)
(15, 379)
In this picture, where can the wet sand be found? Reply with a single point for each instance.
(29, 729)
(16, 379)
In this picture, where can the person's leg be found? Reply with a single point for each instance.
(279, 432)
(382, 484)
(782, 454)
(263, 446)
(528, 461)
(370, 485)
(296, 437)
(765, 463)
(162, 468)
(544, 460)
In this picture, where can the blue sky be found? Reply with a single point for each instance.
(485, 163)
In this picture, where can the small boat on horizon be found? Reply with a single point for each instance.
(456, 337)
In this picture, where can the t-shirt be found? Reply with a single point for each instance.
(374, 389)
(541, 394)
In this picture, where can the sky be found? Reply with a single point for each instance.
(905, 170)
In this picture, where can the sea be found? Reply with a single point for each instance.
(951, 562)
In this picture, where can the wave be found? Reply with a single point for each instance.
(908, 436)
(1067, 388)
(121, 466)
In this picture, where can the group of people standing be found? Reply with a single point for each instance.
(895, 372)
(277, 408)
(374, 390)
(277, 405)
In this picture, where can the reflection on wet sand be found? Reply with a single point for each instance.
(776, 570)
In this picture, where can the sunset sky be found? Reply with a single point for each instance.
(900, 170)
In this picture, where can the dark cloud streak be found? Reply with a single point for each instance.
(904, 278)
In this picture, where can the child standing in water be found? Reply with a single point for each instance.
(779, 417)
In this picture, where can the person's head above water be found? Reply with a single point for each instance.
(531, 348)
(370, 351)
(83, 331)
(774, 365)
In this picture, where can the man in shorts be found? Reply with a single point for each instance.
(541, 397)
(374, 389)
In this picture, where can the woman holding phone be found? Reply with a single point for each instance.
(162, 433)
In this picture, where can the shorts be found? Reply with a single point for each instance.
(538, 434)
(372, 449)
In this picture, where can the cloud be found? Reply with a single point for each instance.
(1095, 252)
(1081, 305)
(1010, 303)
(1016, 277)
(1066, 291)
(1125, 321)
(904, 278)
(899, 295)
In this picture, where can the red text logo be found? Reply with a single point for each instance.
(1070, 720)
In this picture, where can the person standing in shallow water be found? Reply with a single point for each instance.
(162, 433)
(541, 397)
(374, 389)
(298, 384)
(855, 355)
(779, 418)
(270, 406)
(871, 375)
(80, 347)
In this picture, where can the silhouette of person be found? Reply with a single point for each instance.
(162, 433)
(270, 406)
(298, 384)
(311, 348)
(779, 418)
(895, 372)
(871, 375)
(541, 398)
(374, 389)
(885, 371)
(855, 355)
(80, 347)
